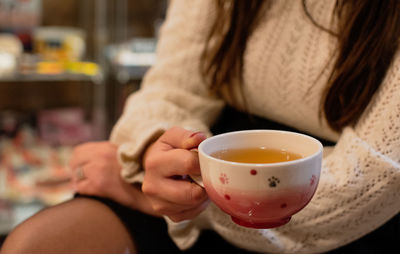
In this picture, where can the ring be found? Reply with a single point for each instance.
(80, 175)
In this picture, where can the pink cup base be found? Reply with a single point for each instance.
(261, 225)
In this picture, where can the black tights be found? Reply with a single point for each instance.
(79, 226)
(95, 225)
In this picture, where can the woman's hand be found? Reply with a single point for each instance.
(96, 172)
(167, 163)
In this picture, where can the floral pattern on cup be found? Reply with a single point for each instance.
(224, 178)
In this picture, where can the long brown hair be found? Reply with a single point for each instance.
(368, 37)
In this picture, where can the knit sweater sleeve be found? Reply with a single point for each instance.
(358, 189)
(172, 93)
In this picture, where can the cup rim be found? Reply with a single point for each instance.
(317, 153)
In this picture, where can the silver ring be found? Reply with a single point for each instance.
(80, 175)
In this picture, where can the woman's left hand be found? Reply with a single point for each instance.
(96, 172)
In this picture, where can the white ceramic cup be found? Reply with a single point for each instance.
(261, 195)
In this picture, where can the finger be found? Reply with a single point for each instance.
(87, 151)
(75, 162)
(178, 137)
(165, 207)
(176, 162)
(189, 214)
(78, 156)
(77, 176)
(87, 188)
(178, 192)
(84, 181)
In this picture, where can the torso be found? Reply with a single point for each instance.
(285, 73)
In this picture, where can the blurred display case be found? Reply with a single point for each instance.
(63, 84)
(52, 97)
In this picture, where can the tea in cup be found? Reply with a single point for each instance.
(260, 177)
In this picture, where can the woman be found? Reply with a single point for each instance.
(326, 68)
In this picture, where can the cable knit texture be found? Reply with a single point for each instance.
(287, 63)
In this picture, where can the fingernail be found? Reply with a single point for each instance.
(196, 133)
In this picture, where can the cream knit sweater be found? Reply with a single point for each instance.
(359, 188)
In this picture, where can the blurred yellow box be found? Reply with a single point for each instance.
(50, 68)
(59, 43)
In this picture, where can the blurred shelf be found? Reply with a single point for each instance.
(131, 60)
(125, 73)
(47, 78)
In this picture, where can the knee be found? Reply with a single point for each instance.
(42, 233)
(21, 240)
(78, 226)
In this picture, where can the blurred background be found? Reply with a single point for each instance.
(66, 68)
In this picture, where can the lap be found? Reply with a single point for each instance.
(150, 234)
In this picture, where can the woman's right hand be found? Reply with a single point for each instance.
(168, 162)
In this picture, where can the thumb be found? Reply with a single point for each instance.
(181, 138)
(194, 140)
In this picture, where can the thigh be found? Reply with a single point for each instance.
(149, 233)
(81, 225)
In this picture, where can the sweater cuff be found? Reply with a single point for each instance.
(130, 154)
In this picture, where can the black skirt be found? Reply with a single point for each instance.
(150, 234)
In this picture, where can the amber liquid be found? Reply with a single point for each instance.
(256, 155)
